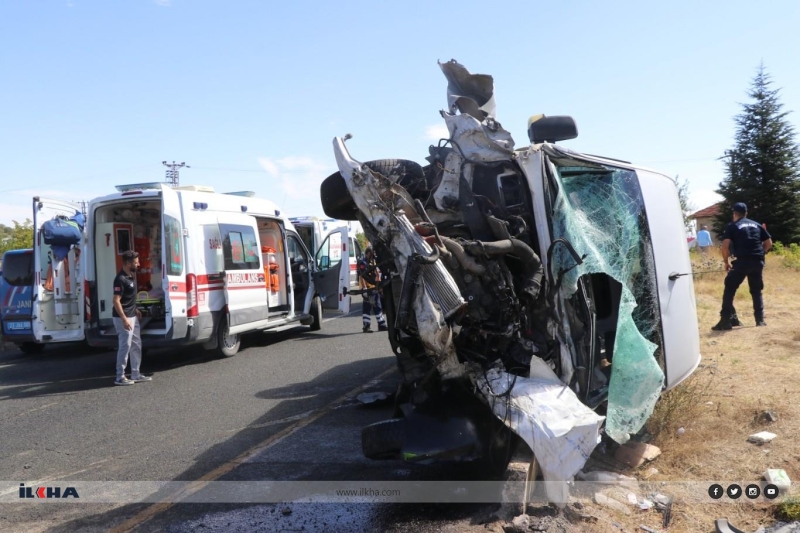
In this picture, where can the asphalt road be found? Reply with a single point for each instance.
(281, 409)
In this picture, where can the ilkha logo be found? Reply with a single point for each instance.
(47, 492)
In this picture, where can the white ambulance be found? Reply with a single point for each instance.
(212, 267)
(314, 230)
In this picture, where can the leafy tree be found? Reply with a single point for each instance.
(21, 237)
(763, 167)
(362, 240)
(686, 205)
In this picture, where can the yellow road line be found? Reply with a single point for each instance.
(157, 508)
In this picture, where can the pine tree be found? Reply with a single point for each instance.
(763, 167)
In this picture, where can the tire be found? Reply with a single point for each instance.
(400, 171)
(31, 348)
(316, 314)
(383, 440)
(336, 200)
(227, 345)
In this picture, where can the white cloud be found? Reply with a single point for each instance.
(436, 132)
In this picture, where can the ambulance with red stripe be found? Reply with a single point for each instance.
(213, 266)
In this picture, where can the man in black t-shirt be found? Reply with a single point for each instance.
(126, 321)
(750, 241)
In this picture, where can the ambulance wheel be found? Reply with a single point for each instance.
(227, 344)
(31, 348)
(316, 314)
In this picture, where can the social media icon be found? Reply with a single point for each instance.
(771, 492)
(715, 491)
(734, 491)
(752, 491)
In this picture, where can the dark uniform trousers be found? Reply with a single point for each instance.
(751, 268)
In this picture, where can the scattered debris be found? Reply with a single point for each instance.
(646, 505)
(709, 403)
(635, 454)
(368, 398)
(286, 511)
(520, 524)
(648, 529)
(779, 478)
(27, 467)
(681, 431)
(664, 504)
(611, 503)
(762, 437)
(575, 513)
(768, 417)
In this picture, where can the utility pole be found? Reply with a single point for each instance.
(173, 177)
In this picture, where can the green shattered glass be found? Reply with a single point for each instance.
(600, 211)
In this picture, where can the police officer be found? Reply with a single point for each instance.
(368, 278)
(750, 242)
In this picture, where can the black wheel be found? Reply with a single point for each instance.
(401, 171)
(336, 200)
(227, 344)
(316, 314)
(383, 440)
(31, 348)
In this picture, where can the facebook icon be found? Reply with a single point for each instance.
(715, 491)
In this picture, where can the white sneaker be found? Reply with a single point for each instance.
(141, 378)
(123, 381)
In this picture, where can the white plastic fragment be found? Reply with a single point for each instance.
(779, 478)
(561, 431)
(762, 437)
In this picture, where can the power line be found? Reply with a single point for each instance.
(173, 176)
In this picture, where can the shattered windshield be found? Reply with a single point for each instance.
(600, 211)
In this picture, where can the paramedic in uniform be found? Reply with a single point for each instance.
(750, 242)
(126, 321)
(368, 278)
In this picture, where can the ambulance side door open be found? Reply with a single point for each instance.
(332, 273)
(58, 292)
(245, 279)
(173, 248)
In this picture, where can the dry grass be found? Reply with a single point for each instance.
(744, 372)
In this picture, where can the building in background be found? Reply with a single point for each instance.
(705, 217)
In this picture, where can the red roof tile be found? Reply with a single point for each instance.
(710, 211)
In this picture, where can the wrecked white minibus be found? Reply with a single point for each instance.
(536, 293)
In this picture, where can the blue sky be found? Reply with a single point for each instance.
(251, 93)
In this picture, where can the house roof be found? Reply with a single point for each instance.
(710, 211)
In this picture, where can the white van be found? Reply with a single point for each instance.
(548, 291)
(212, 267)
(313, 230)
